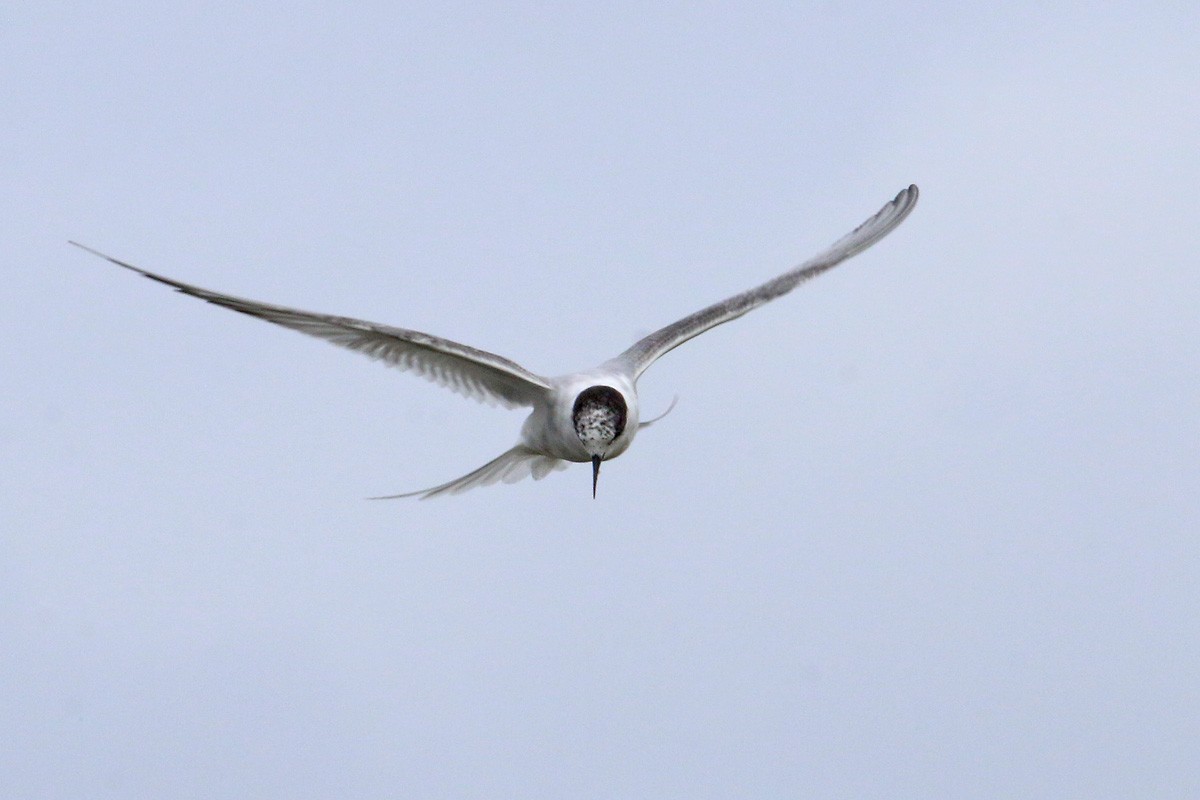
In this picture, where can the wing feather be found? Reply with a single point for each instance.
(510, 466)
(473, 373)
(649, 349)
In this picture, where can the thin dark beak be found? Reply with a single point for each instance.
(595, 474)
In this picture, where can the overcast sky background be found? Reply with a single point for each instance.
(925, 528)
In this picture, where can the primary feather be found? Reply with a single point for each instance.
(473, 373)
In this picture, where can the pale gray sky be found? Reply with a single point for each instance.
(925, 528)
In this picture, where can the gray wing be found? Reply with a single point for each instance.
(510, 466)
(473, 373)
(648, 350)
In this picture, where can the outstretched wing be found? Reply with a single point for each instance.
(473, 373)
(645, 352)
(510, 466)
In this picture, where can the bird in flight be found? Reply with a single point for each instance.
(589, 416)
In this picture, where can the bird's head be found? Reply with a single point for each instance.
(599, 416)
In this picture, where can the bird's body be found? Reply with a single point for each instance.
(589, 416)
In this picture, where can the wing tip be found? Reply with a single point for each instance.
(423, 495)
(887, 218)
(144, 273)
(907, 198)
(91, 250)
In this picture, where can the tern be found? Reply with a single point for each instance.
(589, 416)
